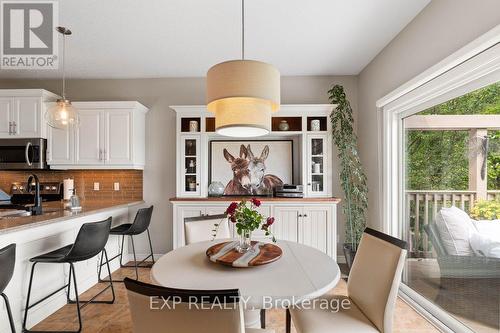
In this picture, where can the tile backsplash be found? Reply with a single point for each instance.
(130, 182)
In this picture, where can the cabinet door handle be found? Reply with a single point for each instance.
(10, 127)
(300, 215)
(305, 215)
(14, 124)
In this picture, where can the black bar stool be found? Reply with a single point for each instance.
(89, 242)
(7, 263)
(141, 224)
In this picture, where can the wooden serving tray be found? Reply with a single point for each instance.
(226, 254)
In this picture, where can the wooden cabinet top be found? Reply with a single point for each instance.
(263, 199)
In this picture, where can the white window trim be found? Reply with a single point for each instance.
(474, 66)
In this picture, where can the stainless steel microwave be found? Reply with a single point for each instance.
(23, 154)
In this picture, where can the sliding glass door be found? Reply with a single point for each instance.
(451, 198)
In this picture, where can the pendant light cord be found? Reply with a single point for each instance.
(242, 29)
(64, 67)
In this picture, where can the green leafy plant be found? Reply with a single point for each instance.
(486, 210)
(246, 218)
(352, 176)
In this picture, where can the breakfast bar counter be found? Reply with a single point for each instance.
(56, 228)
(55, 212)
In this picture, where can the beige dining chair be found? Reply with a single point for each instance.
(199, 228)
(372, 290)
(160, 309)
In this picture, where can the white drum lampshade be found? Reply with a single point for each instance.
(242, 94)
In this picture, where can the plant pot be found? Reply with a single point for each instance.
(349, 254)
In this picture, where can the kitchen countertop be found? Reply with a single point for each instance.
(263, 199)
(56, 213)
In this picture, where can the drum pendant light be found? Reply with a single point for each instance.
(243, 93)
(62, 114)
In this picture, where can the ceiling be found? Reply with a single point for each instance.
(184, 38)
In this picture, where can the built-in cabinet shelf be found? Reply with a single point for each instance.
(22, 112)
(313, 155)
(110, 135)
(310, 221)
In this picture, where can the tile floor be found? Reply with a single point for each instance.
(115, 318)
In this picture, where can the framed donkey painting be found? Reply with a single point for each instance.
(247, 167)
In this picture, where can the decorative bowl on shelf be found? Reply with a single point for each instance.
(216, 189)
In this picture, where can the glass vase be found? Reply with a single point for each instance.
(245, 244)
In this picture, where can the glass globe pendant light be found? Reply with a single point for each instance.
(243, 94)
(63, 113)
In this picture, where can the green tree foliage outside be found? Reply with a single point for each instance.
(438, 160)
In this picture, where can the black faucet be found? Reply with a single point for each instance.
(37, 207)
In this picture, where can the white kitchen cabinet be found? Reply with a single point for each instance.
(311, 222)
(110, 135)
(89, 138)
(28, 117)
(119, 137)
(22, 112)
(6, 116)
(60, 145)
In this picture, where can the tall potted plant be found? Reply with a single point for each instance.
(352, 176)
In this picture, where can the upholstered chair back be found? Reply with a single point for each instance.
(375, 277)
(159, 309)
(199, 229)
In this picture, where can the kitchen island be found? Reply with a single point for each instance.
(55, 228)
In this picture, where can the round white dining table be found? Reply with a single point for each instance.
(302, 273)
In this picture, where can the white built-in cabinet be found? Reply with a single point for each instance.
(308, 222)
(311, 221)
(22, 112)
(109, 135)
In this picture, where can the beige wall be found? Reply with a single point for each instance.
(158, 94)
(442, 28)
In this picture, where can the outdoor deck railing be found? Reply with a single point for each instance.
(422, 207)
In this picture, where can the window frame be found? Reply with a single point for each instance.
(473, 67)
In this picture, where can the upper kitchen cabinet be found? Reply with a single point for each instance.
(110, 135)
(22, 112)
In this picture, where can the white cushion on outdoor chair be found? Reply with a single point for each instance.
(455, 229)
